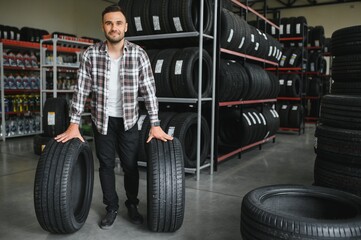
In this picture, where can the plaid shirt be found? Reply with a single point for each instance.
(93, 77)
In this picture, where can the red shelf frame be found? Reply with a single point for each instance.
(21, 68)
(241, 102)
(312, 97)
(21, 91)
(289, 129)
(225, 156)
(22, 44)
(289, 98)
(291, 39)
(248, 56)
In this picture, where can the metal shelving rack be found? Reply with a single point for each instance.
(218, 104)
(51, 44)
(200, 35)
(13, 44)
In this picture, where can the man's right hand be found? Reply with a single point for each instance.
(70, 133)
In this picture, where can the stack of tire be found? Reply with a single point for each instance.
(252, 125)
(148, 17)
(245, 81)
(182, 126)
(176, 72)
(55, 121)
(338, 137)
(237, 35)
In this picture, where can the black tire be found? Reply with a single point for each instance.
(284, 113)
(165, 186)
(341, 111)
(295, 116)
(293, 85)
(184, 73)
(184, 16)
(338, 176)
(55, 116)
(159, 20)
(126, 6)
(64, 186)
(39, 143)
(140, 17)
(185, 129)
(346, 41)
(347, 68)
(300, 212)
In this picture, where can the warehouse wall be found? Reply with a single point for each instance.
(332, 17)
(79, 17)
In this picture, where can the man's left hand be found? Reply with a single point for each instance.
(158, 133)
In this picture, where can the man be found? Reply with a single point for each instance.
(113, 72)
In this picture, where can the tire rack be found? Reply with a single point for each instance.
(314, 98)
(200, 35)
(220, 158)
(293, 70)
(17, 45)
(45, 46)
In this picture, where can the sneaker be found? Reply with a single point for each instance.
(108, 220)
(134, 215)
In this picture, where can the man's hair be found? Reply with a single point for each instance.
(113, 8)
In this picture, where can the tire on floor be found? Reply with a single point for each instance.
(300, 212)
(64, 186)
(165, 186)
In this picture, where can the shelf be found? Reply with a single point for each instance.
(242, 102)
(248, 56)
(224, 157)
(255, 12)
(313, 48)
(21, 91)
(311, 118)
(289, 99)
(67, 39)
(23, 135)
(61, 66)
(286, 69)
(166, 36)
(21, 68)
(20, 44)
(313, 97)
(289, 129)
(26, 113)
(178, 100)
(291, 39)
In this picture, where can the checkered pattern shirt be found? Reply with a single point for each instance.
(93, 78)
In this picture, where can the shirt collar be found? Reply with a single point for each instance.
(103, 47)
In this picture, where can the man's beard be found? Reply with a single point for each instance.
(112, 40)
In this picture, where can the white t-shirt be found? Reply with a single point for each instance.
(115, 107)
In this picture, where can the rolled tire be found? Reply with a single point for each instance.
(300, 212)
(64, 186)
(165, 186)
(55, 116)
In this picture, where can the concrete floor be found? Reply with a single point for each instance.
(212, 204)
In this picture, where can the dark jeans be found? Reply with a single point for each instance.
(125, 144)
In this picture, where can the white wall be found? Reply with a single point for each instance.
(331, 17)
(79, 17)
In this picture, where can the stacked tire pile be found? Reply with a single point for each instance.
(182, 126)
(252, 125)
(245, 81)
(176, 72)
(291, 115)
(237, 35)
(147, 17)
(339, 134)
(55, 121)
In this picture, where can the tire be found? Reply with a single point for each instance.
(55, 116)
(165, 186)
(295, 116)
(126, 6)
(347, 68)
(184, 73)
(341, 111)
(338, 176)
(140, 17)
(293, 85)
(300, 212)
(185, 129)
(346, 41)
(64, 186)
(184, 16)
(39, 143)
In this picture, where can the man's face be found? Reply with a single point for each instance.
(114, 26)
